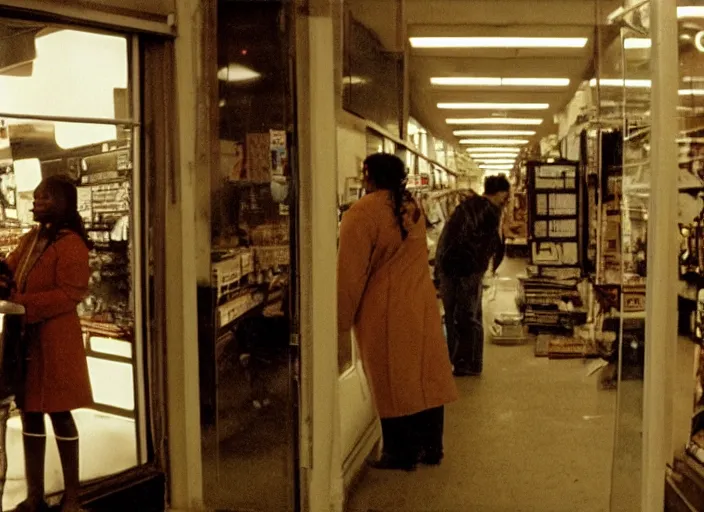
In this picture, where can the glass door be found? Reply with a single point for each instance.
(247, 310)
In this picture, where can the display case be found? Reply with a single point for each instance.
(554, 218)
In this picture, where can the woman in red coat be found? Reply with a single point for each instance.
(51, 273)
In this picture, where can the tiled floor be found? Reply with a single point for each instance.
(529, 435)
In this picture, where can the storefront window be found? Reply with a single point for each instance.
(65, 109)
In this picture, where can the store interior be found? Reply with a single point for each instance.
(65, 109)
(570, 126)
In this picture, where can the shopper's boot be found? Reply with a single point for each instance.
(34, 457)
(68, 452)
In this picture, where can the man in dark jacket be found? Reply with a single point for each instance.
(470, 241)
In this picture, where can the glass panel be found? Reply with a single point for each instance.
(103, 174)
(57, 75)
(69, 73)
(246, 382)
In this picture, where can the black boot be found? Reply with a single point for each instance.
(34, 459)
(69, 454)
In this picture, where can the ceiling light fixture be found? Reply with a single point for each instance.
(691, 92)
(494, 161)
(496, 120)
(619, 82)
(488, 167)
(488, 142)
(637, 43)
(498, 82)
(494, 106)
(493, 150)
(491, 155)
(498, 42)
(493, 133)
(690, 11)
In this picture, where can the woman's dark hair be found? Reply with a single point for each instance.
(388, 172)
(61, 187)
(495, 184)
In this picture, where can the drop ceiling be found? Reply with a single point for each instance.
(491, 18)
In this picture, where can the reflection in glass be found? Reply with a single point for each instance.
(247, 395)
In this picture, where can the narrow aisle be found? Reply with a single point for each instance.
(530, 434)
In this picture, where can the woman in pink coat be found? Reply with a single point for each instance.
(51, 272)
(386, 294)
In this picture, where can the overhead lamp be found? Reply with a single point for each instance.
(498, 82)
(488, 142)
(491, 155)
(493, 133)
(498, 42)
(496, 120)
(637, 43)
(690, 11)
(494, 106)
(691, 92)
(237, 73)
(619, 82)
(493, 150)
(466, 80)
(494, 161)
(496, 167)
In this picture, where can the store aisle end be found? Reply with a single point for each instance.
(531, 434)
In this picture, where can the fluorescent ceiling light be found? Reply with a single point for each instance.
(479, 155)
(494, 161)
(619, 82)
(691, 92)
(498, 82)
(690, 11)
(494, 106)
(536, 82)
(496, 120)
(487, 142)
(493, 133)
(637, 43)
(493, 150)
(498, 42)
(237, 73)
(465, 80)
(496, 167)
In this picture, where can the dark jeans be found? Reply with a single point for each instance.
(462, 299)
(406, 437)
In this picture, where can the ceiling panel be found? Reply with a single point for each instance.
(492, 18)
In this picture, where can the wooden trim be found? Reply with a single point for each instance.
(101, 16)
